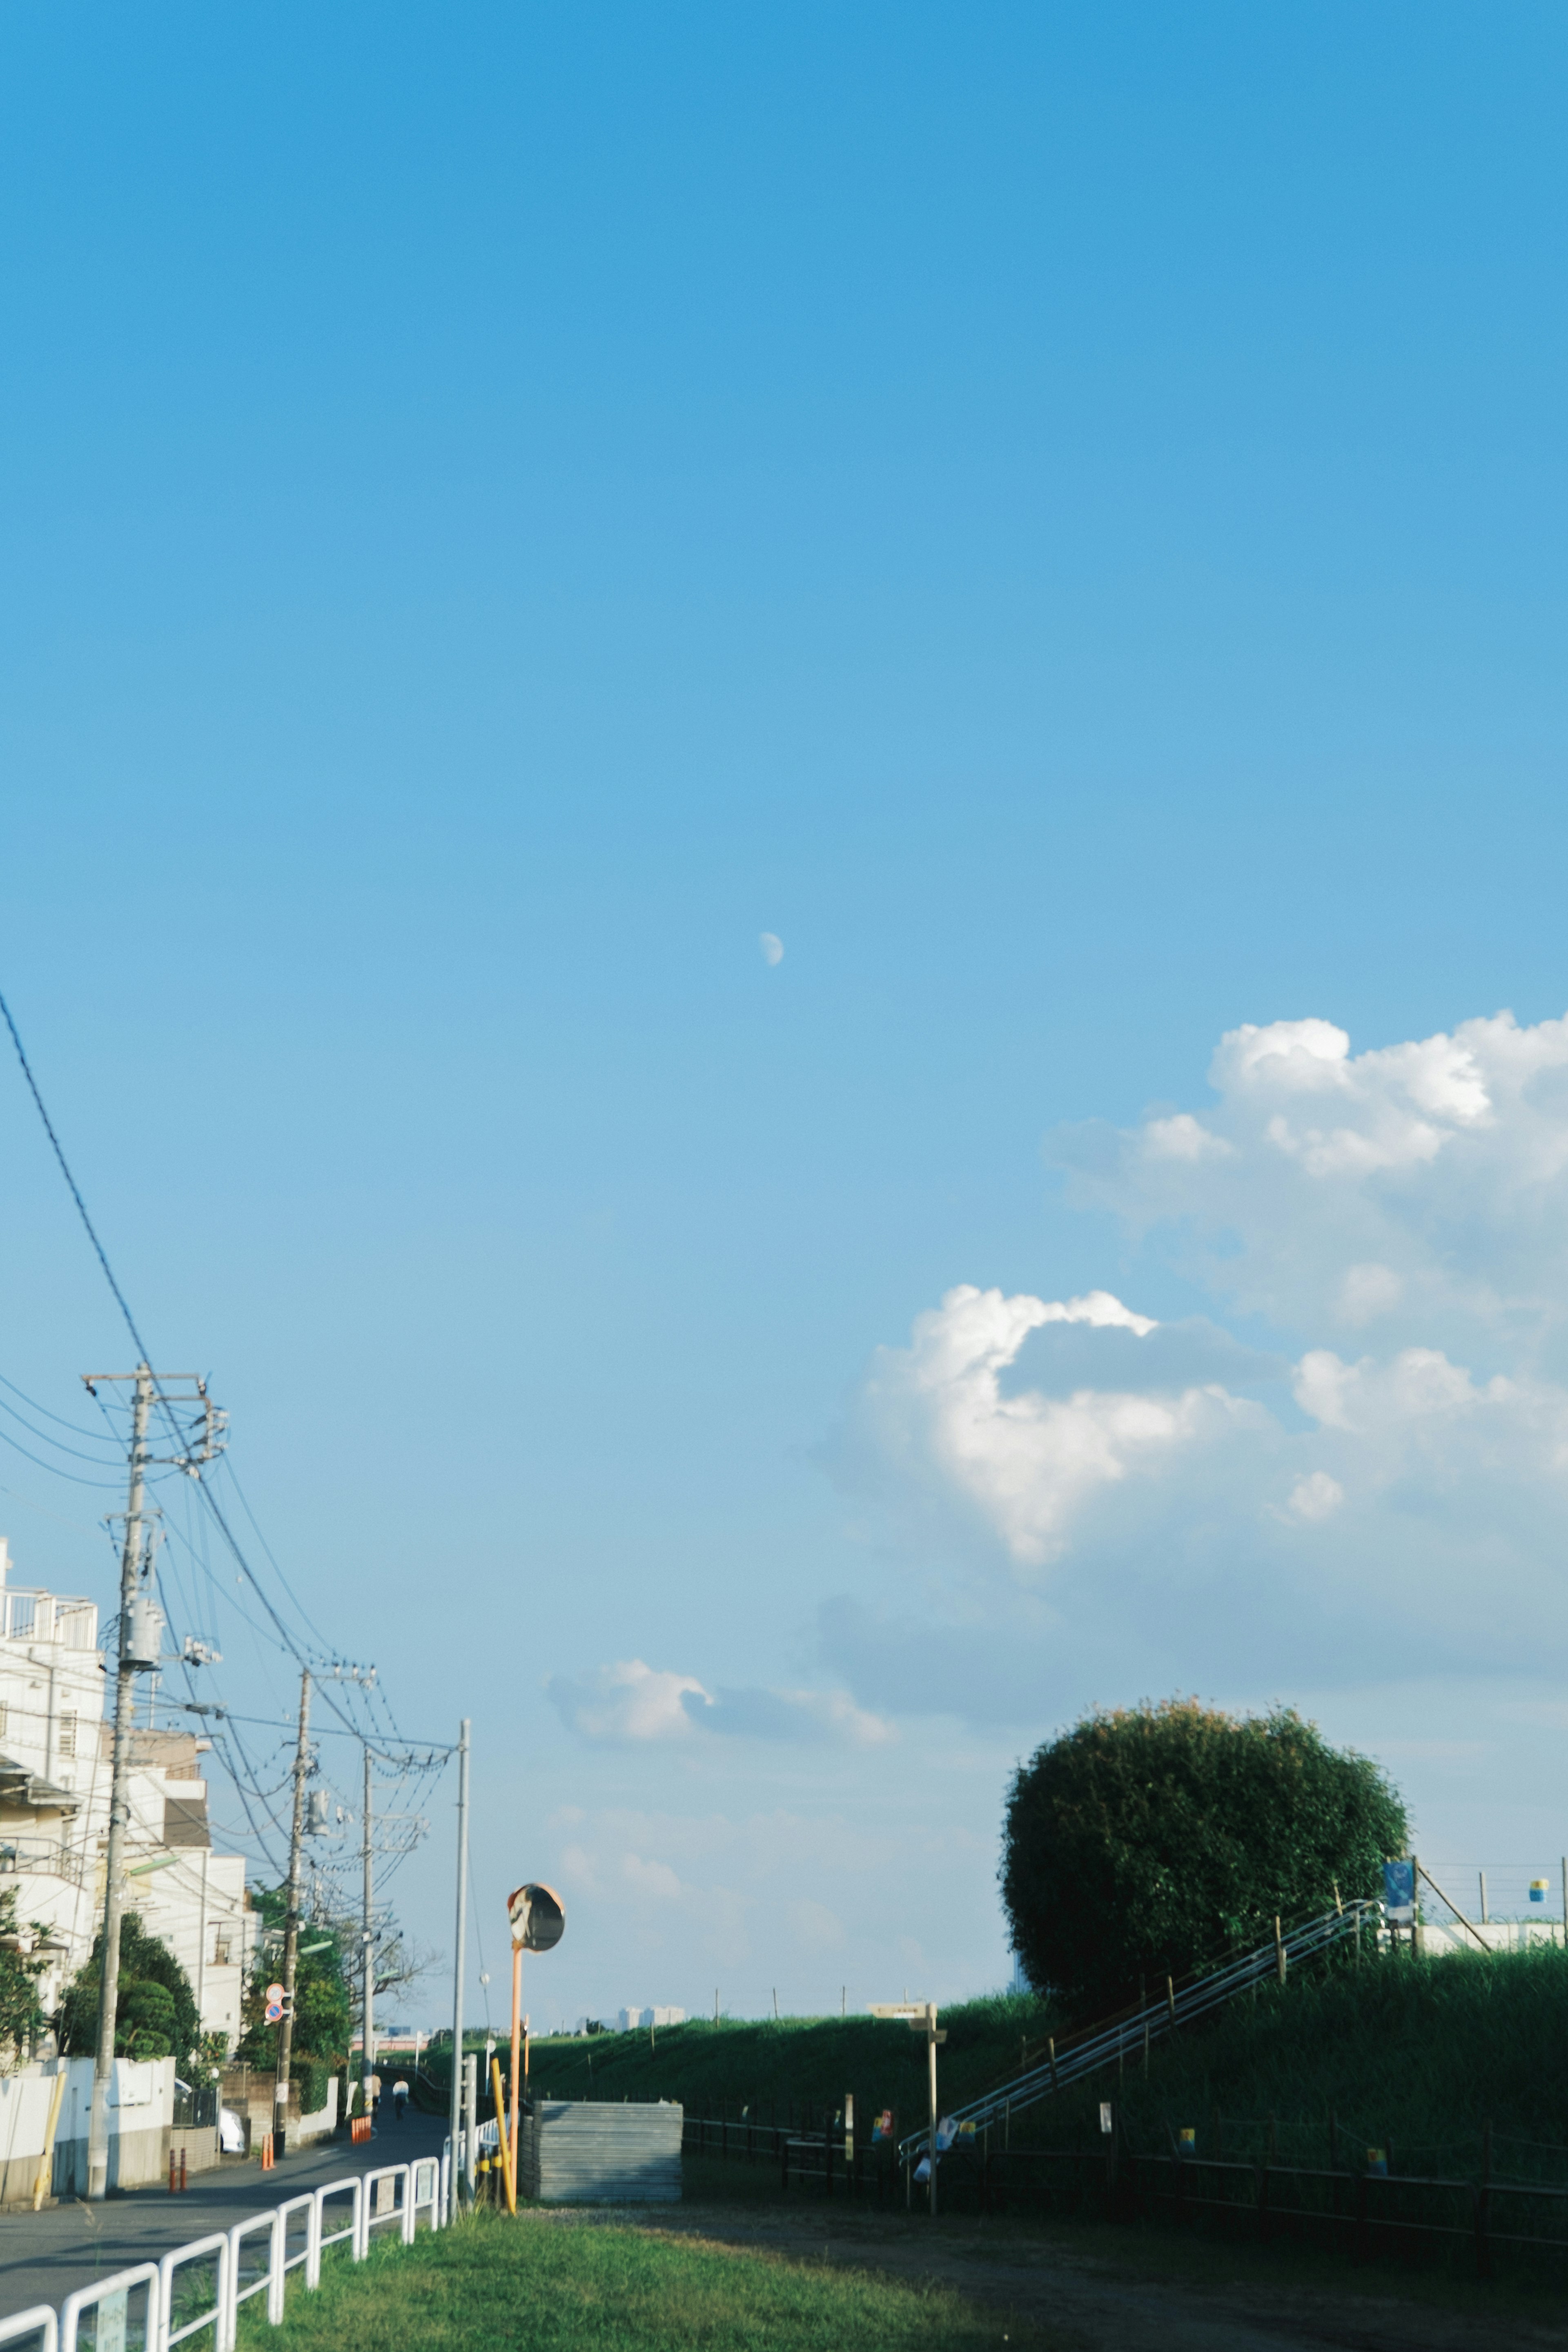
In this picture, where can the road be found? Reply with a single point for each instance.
(44, 2256)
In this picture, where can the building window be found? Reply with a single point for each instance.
(220, 1952)
(67, 1735)
(5, 1717)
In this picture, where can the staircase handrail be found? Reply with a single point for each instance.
(1087, 2048)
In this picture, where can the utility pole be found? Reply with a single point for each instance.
(461, 1942)
(367, 2041)
(114, 1861)
(291, 1921)
(140, 1632)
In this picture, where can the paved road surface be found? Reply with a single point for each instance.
(44, 2256)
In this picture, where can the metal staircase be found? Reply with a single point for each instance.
(1086, 2050)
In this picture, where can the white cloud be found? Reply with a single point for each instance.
(654, 1880)
(1368, 1291)
(1417, 1386)
(629, 1701)
(1294, 1499)
(1028, 1464)
(1425, 1181)
(1316, 1497)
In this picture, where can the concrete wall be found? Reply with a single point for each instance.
(590, 2152)
(141, 2119)
(249, 2093)
(1439, 1937)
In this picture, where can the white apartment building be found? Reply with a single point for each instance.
(56, 1750)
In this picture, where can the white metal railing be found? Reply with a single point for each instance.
(268, 2281)
(398, 2207)
(321, 2237)
(40, 2320)
(426, 2189)
(215, 2313)
(30, 1614)
(418, 2188)
(303, 2209)
(111, 2296)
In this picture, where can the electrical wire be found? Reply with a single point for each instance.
(44, 1409)
(44, 1438)
(71, 1182)
(104, 1485)
(392, 1747)
(233, 1477)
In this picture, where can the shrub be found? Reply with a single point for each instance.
(1147, 1841)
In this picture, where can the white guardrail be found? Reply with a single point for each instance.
(157, 2305)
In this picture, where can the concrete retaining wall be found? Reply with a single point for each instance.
(589, 2152)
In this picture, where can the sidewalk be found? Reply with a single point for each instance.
(43, 2256)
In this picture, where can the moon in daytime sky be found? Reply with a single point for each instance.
(772, 946)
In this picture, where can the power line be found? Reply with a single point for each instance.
(234, 1479)
(405, 1763)
(95, 1436)
(104, 1485)
(70, 1179)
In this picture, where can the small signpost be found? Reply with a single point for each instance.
(274, 2003)
(919, 2016)
(538, 1920)
(1399, 1893)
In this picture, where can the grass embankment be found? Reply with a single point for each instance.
(490, 2282)
(1412, 2056)
(793, 2068)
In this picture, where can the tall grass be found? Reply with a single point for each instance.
(1414, 2056)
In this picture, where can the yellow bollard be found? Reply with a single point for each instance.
(504, 2139)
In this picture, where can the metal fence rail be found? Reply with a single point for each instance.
(293, 2236)
(1086, 2051)
(824, 2156)
(40, 2322)
(113, 2296)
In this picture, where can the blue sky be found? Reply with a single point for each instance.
(1056, 515)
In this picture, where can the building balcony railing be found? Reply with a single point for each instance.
(38, 1616)
(43, 1857)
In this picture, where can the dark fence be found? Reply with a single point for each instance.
(196, 2106)
(821, 2160)
(1362, 2216)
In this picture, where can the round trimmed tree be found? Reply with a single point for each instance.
(1151, 1841)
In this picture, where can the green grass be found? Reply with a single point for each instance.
(782, 2070)
(493, 2283)
(1414, 2056)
